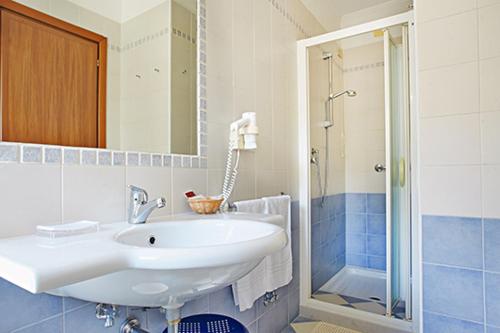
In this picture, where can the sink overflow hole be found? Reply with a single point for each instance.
(152, 240)
(375, 298)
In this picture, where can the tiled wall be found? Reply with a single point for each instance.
(364, 115)
(349, 228)
(365, 230)
(328, 238)
(459, 61)
(461, 274)
(318, 88)
(49, 314)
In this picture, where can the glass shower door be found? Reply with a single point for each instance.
(397, 187)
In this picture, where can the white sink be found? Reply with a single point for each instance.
(155, 264)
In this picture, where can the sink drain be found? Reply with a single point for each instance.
(152, 240)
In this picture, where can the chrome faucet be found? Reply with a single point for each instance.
(139, 208)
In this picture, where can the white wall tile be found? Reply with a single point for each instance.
(215, 180)
(454, 190)
(218, 147)
(93, 193)
(431, 9)
(450, 90)
(41, 5)
(448, 41)
(450, 140)
(184, 180)
(156, 181)
(483, 3)
(30, 195)
(489, 83)
(271, 183)
(489, 31)
(245, 186)
(490, 137)
(491, 191)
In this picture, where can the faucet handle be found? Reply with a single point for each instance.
(138, 194)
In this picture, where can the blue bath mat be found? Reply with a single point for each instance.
(210, 323)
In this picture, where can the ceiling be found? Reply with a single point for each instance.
(118, 10)
(330, 12)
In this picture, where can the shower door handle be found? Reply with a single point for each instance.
(379, 167)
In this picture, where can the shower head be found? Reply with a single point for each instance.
(349, 93)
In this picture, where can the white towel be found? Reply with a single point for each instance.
(275, 270)
(257, 206)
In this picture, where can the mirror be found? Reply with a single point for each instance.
(147, 80)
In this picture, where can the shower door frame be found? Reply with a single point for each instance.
(309, 305)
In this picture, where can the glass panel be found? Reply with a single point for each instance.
(398, 184)
(396, 155)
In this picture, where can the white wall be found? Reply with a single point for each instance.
(364, 118)
(368, 14)
(459, 73)
(318, 94)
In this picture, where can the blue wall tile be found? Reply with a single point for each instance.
(221, 302)
(453, 291)
(28, 308)
(316, 234)
(156, 321)
(492, 289)
(453, 241)
(196, 306)
(356, 243)
(340, 244)
(340, 224)
(357, 223)
(355, 202)
(375, 224)
(339, 203)
(375, 245)
(328, 242)
(276, 319)
(492, 329)
(83, 320)
(327, 231)
(376, 203)
(253, 328)
(366, 224)
(315, 260)
(376, 262)
(492, 245)
(293, 305)
(70, 303)
(434, 323)
(356, 260)
(53, 325)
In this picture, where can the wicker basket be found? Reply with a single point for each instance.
(205, 205)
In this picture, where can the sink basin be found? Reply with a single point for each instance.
(164, 263)
(194, 234)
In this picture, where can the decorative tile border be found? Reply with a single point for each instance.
(55, 155)
(364, 67)
(25, 153)
(292, 20)
(184, 35)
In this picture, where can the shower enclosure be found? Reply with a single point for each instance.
(357, 220)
